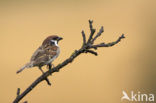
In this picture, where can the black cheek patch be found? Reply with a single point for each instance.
(52, 43)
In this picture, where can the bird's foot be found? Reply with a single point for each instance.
(49, 66)
(46, 79)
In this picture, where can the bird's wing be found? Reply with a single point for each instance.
(39, 52)
(43, 55)
(51, 51)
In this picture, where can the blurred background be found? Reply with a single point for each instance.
(129, 65)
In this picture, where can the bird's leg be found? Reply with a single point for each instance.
(52, 65)
(57, 70)
(41, 70)
(49, 66)
(47, 80)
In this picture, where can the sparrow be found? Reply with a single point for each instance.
(45, 54)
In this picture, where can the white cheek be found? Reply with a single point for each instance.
(55, 42)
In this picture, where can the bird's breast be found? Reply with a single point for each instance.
(54, 55)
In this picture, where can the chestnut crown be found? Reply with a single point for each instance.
(52, 38)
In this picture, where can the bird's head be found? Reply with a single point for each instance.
(52, 40)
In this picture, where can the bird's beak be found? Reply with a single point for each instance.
(60, 38)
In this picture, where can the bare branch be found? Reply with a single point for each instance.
(48, 82)
(84, 38)
(90, 24)
(86, 48)
(92, 31)
(98, 34)
(18, 91)
(92, 52)
(108, 44)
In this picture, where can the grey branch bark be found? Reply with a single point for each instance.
(87, 47)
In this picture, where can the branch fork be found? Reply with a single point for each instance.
(90, 43)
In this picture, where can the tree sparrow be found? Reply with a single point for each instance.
(45, 54)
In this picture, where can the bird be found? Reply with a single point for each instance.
(45, 54)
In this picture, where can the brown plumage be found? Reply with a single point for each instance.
(45, 54)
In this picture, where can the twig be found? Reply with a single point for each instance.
(86, 48)
(98, 34)
(18, 92)
(92, 31)
(48, 82)
(108, 44)
(92, 52)
(84, 38)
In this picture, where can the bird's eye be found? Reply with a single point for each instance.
(55, 38)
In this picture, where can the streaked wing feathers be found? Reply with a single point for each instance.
(43, 55)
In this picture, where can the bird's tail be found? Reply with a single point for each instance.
(28, 65)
